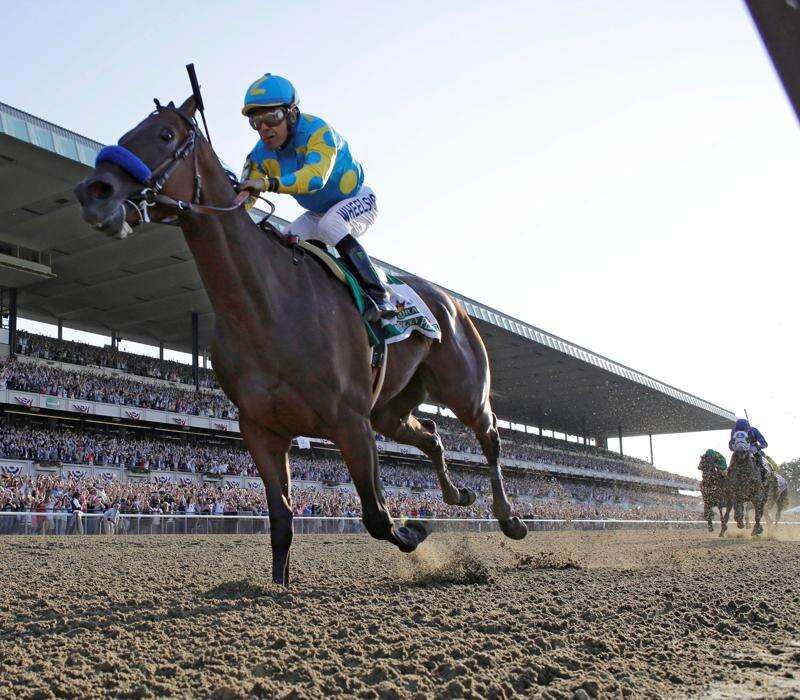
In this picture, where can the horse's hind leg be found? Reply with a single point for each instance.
(421, 433)
(394, 420)
(489, 439)
(270, 453)
(779, 506)
(457, 373)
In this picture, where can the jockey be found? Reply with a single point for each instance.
(756, 440)
(301, 155)
(713, 458)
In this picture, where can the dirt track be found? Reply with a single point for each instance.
(569, 615)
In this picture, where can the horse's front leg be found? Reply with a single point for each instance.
(357, 444)
(740, 511)
(724, 518)
(708, 514)
(270, 453)
(759, 511)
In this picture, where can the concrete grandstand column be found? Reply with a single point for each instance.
(619, 430)
(161, 350)
(601, 441)
(12, 320)
(195, 350)
(60, 329)
(650, 435)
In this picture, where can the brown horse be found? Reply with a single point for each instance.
(289, 347)
(743, 484)
(712, 489)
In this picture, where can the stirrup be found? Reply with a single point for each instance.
(387, 310)
(376, 311)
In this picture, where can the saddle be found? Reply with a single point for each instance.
(414, 314)
(375, 333)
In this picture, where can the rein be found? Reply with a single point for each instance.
(154, 180)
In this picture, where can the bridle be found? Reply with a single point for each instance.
(154, 180)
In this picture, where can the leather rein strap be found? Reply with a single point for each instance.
(152, 194)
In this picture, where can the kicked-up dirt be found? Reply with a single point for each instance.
(558, 615)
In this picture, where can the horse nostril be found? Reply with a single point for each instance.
(99, 190)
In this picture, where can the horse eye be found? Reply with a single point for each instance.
(167, 135)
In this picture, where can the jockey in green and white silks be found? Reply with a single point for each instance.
(712, 457)
(301, 155)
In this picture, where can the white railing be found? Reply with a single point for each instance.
(66, 523)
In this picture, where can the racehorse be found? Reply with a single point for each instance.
(777, 494)
(289, 348)
(712, 489)
(742, 484)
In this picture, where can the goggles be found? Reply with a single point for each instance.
(272, 117)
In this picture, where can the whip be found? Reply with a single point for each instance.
(198, 98)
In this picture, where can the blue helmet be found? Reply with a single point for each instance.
(742, 424)
(269, 91)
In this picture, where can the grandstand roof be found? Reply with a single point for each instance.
(779, 26)
(145, 288)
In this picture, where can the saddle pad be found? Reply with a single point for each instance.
(782, 485)
(413, 312)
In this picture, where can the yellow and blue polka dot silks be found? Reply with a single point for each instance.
(315, 166)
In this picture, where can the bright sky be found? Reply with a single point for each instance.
(622, 174)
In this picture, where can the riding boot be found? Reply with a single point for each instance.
(358, 262)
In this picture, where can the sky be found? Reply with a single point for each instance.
(621, 174)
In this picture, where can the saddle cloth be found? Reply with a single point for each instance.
(782, 485)
(413, 313)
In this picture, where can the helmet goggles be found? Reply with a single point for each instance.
(271, 117)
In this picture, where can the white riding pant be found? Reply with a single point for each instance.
(353, 216)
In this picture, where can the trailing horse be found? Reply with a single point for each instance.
(777, 494)
(289, 348)
(744, 483)
(712, 488)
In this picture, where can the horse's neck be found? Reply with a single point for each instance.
(233, 256)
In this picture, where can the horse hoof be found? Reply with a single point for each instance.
(740, 525)
(513, 528)
(421, 527)
(757, 530)
(721, 533)
(710, 527)
(409, 536)
(466, 497)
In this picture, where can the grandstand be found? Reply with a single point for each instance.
(170, 423)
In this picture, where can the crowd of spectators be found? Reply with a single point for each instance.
(47, 348)
(193, 454)
(410, 490)
(54, 495)
(533, 447)
(120, 450)
(113, 389)
(129, 391)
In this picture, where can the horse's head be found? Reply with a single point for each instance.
(156, 158)
(741, 459)
(711, 465)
